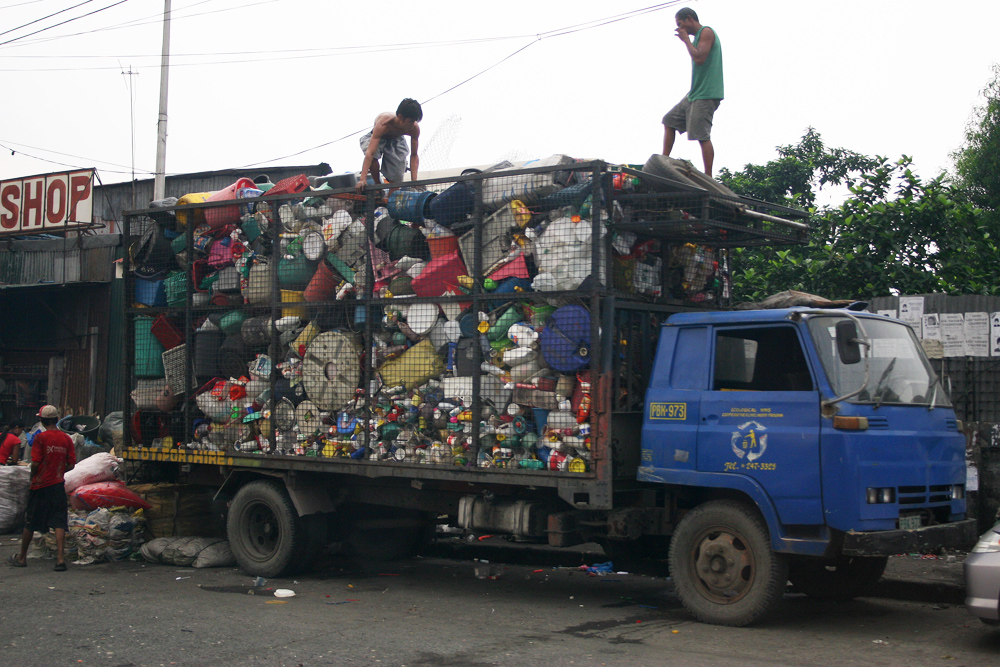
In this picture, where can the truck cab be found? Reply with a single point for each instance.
(829, 425)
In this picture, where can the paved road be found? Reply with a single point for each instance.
(435, 612)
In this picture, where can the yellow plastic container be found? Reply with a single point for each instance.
(293, 297)
(197, 215)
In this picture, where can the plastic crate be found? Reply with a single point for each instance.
(173, 367)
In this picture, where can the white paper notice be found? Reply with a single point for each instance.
(977, 334)
(932, 336)
(887, 313)
(911, 310)
(953, 334)
(995, 334)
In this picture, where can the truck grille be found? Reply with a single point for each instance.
(923, 495)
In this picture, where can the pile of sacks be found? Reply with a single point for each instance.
(94, 483)
(189, 552)
(95, 537)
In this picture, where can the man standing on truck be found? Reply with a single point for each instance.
(693, 114)
(52, 456)
(386, 141)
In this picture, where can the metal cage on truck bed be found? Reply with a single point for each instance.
(494, 328)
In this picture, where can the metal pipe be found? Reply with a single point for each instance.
(772, 218)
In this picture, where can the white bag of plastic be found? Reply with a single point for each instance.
(14, 484)
(101, 467)
(189, 552)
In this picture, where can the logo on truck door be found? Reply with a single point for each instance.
(750, 441)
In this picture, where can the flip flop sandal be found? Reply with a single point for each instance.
(14, 562)
(60, 567)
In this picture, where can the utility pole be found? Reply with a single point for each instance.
(159, 183)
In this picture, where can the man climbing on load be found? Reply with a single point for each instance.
(694, 113)
(386, 142)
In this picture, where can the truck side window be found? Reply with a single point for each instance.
(760, 359)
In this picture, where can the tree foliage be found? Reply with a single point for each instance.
(978, 161)
(895, 233)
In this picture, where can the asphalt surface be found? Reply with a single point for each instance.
(438, 611)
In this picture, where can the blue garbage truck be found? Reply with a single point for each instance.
(545, 351)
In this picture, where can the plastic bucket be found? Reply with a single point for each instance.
(323, 286)
(148, 350)
(232, 322)
(410, 205)
(293, 297)
(453, 205)
(150, 292)
(226, 215)
(442, 245)
(295, 274)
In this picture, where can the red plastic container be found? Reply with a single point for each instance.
(440, 275)
(166, 332)
(226, 215)
(289, 186)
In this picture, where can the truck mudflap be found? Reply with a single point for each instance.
(958, 535)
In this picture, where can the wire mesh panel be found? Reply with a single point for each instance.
(449, 323)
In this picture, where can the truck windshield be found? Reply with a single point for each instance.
(899, 372)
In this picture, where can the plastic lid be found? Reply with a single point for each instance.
(421, 317)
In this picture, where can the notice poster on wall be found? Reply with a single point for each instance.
(953, 334)
(995, 335)
(887, 313)
(931, 341)
(911, 311)
(977, 334)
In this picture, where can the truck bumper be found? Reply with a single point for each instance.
(958, 535)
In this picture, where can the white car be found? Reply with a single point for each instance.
(982, 578)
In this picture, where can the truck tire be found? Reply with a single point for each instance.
(843, 579)
(264, 531)
(723, 566)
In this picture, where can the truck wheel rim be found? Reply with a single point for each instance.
(261, 531)
(724, 565)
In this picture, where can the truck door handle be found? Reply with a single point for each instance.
(710, 418)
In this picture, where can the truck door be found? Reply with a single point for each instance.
(761, 417)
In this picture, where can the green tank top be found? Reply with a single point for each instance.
(706, 79)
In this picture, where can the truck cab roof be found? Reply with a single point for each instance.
(755, 316)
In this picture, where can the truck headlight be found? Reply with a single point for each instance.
(988, 543)
(880, 496)
(957, 491)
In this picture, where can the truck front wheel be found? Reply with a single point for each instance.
(842, 579)
(723, 566)
(264, 530)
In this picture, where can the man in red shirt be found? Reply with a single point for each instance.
(52, 455)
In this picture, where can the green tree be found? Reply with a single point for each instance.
(894, 233)
(977, 163)
(800, 171)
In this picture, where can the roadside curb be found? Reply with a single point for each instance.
(911, 590)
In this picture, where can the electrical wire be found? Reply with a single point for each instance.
(25, 25)
(559, 32)
(75, 18)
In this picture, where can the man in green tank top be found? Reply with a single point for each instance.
(693, 114)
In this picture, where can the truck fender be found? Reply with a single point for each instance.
(745, 485)
(308, 495)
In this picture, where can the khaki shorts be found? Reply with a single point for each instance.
(693, 117)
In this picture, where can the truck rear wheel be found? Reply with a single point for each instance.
(843, 579)
(264, 531)
(723, 566)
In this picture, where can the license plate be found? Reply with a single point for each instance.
(909, 522)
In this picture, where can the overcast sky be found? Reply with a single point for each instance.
(257, 82)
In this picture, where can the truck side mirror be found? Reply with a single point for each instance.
(847, 342)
